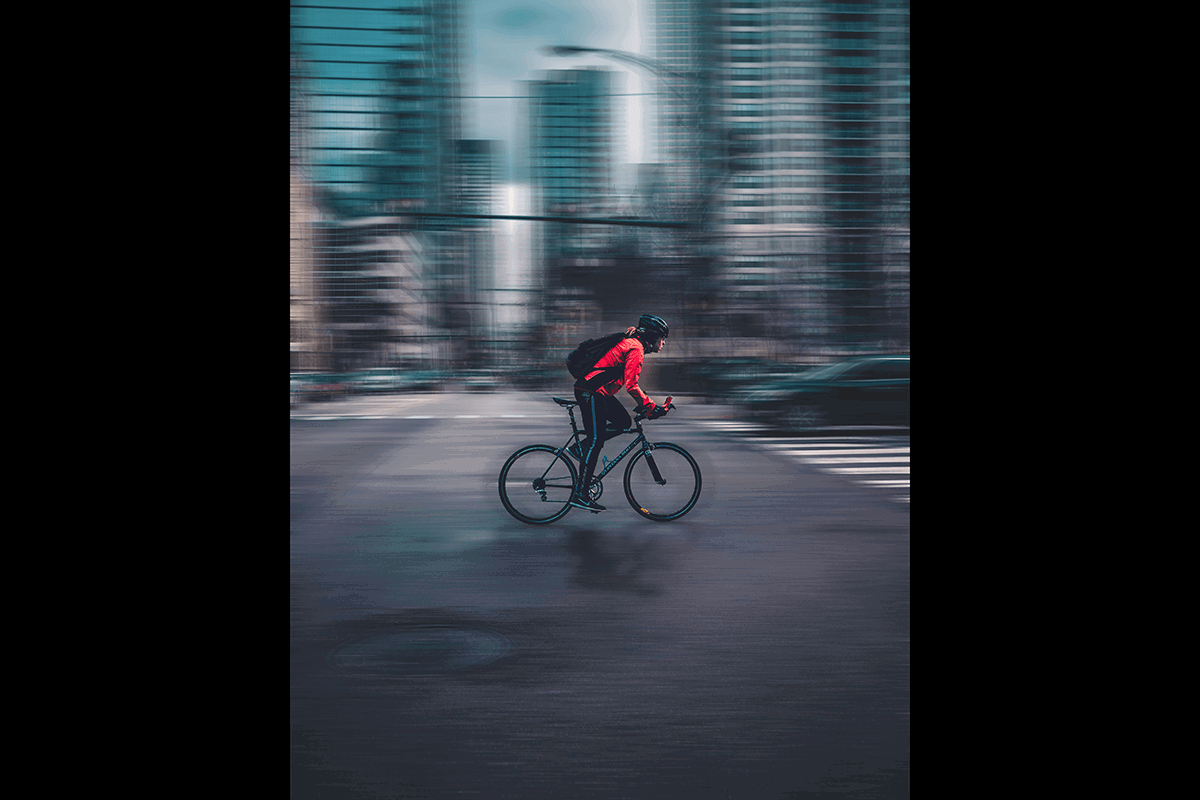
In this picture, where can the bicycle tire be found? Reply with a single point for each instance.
(663, 503)
(521, 493)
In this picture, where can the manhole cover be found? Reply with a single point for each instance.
(421, 649)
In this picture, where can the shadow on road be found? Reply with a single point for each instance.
(619, 564)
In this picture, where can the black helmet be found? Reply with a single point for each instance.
(651, 328)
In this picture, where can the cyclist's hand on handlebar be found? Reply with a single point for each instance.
(651, 411)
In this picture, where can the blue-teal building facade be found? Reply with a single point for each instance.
(382, 84)
(785, 127)
(376, 97)
(571, 168)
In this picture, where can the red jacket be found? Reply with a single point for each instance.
(632, 354)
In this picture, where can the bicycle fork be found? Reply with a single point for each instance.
(658, 478)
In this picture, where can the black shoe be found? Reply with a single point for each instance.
(587, 505)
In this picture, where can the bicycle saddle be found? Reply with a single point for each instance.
(563, 402)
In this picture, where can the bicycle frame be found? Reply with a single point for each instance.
(576, 436)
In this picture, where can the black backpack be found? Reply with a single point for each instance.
(583, 359)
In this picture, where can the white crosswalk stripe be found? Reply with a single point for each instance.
(731, 426)
(872, 463)
(310, 417)
(877, 463)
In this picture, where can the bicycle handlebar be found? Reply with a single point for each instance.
(667, 404)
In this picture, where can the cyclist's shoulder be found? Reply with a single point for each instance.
(632, 343)
(620, 353)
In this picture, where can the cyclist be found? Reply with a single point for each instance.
(603, 415)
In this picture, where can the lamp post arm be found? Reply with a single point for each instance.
(631, 58)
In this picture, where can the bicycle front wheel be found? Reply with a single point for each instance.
(536, 484)
(664, 485)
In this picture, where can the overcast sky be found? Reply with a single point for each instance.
(506, 38)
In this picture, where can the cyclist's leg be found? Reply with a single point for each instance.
(616, 417)
(593, 423)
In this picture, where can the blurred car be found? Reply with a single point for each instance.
(480, 380)
(860, 391)
(378, 380)
(726, 379)
(311, 386)
(767, 374)
(424, 380)
(540, 377)
(302, 386)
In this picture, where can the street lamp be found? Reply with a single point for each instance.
(620, 55)
(692, 112)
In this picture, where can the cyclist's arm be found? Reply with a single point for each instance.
(633, 371)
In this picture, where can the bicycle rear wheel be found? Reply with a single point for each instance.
(675, 494)
(536, 484)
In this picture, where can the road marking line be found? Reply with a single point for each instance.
(863, 460)
(801, 445)
(869, 470)
(821, 452)
(425, 416)
(869, 451)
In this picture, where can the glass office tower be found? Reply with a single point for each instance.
(571, 151)
(383, 82)
(801, 113)
(381, 91)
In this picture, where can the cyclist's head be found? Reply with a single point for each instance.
(652, 330)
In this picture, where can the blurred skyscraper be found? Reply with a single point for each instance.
(468, 259)
(306, 324)
(381, 89)
(571, 169)
(384, 89)
(800, 114)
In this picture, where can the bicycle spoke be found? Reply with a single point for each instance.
(536, 484)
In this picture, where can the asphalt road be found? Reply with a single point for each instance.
(757, 648)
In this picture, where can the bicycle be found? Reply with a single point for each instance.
(662, 481)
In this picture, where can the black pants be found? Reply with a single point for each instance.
(599, 413)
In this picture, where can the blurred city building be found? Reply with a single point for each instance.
(571, 169)
(306, 353)
(774, 223)
(381, 93)
(800, 112)
(468, 258)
